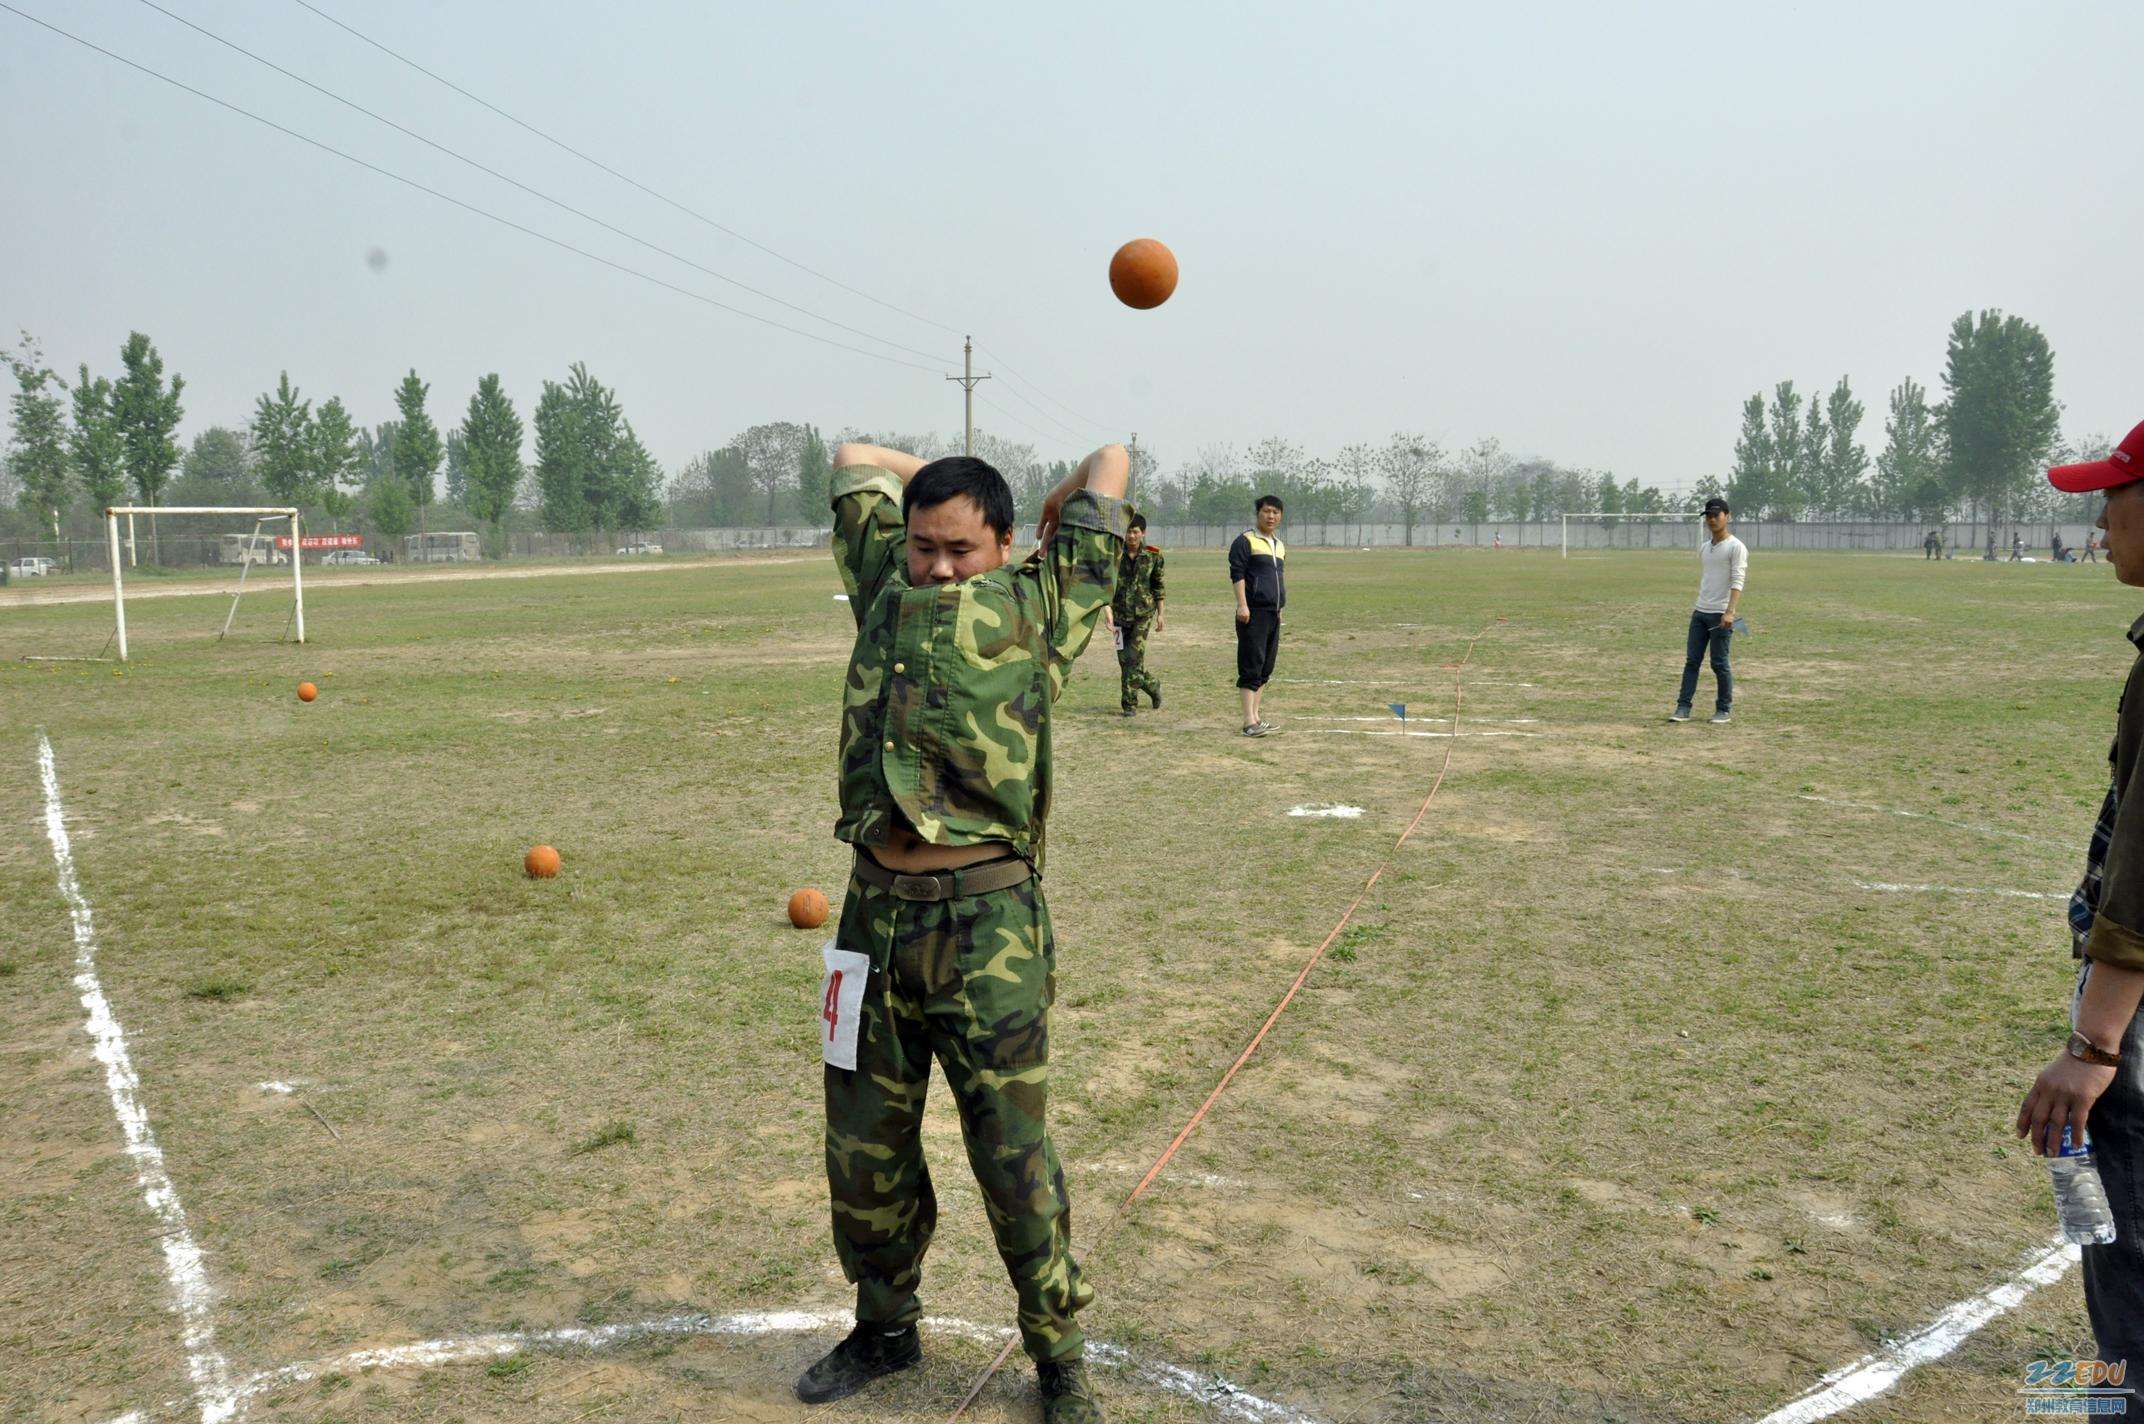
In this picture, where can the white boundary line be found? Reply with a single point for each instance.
(1939, 820)
(184, 1268)
(1961, 890)
(1873, 1374)
(1364, 732)
(1212, 1390)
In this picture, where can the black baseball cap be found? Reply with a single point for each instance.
(1716, 505)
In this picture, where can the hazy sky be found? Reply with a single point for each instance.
(1587, 233)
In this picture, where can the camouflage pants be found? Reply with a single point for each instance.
(1131, 662)
(969, 981)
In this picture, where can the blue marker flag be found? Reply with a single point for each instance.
(1399, 710)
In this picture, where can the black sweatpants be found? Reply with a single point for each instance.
(1257, 645)
(2114, 1273)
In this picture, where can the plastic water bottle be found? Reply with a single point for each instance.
(2080, 1197)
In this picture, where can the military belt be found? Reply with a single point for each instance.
(946, 884)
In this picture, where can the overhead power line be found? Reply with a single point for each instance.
(660, 197)
(468, 207)
(999, 361)
(671, 202)
(558, 203)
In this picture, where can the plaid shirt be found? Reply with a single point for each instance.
(2084, 905)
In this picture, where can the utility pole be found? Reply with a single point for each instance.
(967, 380)
(1132, 473)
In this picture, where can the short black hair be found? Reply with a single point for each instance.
(955, 476)
(1716, 505)
(1138, 522)
(1272, 499)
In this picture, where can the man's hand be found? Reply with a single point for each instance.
(2062, 1096)
(1161, 620)
(1243, 613)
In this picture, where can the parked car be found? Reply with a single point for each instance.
(31, 568)
(642, 548)
(348, 556)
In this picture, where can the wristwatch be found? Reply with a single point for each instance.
(2085, 1051)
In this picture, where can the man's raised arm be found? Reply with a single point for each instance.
(898, 463)
(1105, 474)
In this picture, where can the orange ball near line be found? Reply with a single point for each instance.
(807, 909)
(541, 862)
(1143, 273)
(307, 692)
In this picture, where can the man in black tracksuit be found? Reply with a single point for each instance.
(1256, 566)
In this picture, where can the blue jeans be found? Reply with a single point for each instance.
(1706, 629)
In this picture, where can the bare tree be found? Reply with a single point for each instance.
(770, 454)
(1410, 464)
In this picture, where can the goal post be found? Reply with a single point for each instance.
(249, 554)
(1671, 517)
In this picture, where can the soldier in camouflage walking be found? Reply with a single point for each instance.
(1136, 612)
(944, 947)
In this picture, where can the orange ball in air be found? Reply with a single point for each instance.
(1143, 273)
(807, 909)
(541, 862)
(307, 692)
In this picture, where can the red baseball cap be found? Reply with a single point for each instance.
(2122, 467)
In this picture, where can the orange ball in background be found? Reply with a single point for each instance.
(541, 862)
(307, 692)
(1143, 273)
(807, 909)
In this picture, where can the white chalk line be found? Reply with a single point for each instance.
(1876, 1373)
(1366, 732)
(1961, 890)
(1939, 820)
(1209, 1389)
(1388, 717)
(184, 1267)
(1367, 682)
(1344, 813)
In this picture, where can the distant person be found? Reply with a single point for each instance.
(1989, 557)
(1136, 613)
(1257, 566)
(2091, 548)
(2094, 1085)
(1496, 540)
(2056, 548)
(1723, 563)
(1931, 547)
(2017, 546)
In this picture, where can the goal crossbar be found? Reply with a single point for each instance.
(261, 514)
(1669, 517)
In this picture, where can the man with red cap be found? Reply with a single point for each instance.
(2107, 936)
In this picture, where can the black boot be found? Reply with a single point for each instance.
(1156, 695)
(868, 1353)
(1067, 1398)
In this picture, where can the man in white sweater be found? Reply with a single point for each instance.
(1723, 563)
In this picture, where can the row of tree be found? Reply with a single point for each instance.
(1981, 450)
(591, 472)
(120, 434)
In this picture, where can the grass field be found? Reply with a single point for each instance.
(1623, 1099)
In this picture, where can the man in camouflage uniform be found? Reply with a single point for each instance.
(945, 792)
(1136, 612)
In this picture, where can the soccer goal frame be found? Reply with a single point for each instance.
(261, 516)
(1673, 517)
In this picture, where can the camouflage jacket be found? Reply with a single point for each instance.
(944, 716)
(1138, 585)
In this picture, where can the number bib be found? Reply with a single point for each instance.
(841, 1004)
